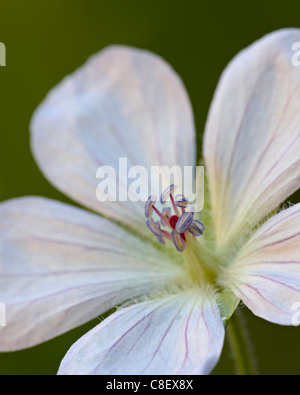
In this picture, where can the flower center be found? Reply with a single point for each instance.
(175, 223)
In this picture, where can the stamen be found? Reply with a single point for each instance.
(167, 235)
(149, 206)
(167, 193)
(152, 225)
(174, 206)
(181, 201)
(196, 228)
(164, 219)
(166, 213)
(161, 239)
(184, 222)
(181, 224)
(178, 242)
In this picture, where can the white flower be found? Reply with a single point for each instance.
(62, 266)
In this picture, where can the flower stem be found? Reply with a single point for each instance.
(241, 349)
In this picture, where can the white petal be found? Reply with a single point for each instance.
(266, 272)
(179, 334)
(123, 103)
(252, 138)
(61, 266)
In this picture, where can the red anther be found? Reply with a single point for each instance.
(173, 221)
(179, 240)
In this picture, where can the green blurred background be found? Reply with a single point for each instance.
(46, 40)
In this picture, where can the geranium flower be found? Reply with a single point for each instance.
(61, 266)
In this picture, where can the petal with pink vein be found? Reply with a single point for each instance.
(123, 103)
(61, 266)
(177, 334)
(252, 137)
(266, 272)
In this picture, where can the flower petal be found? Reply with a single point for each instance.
(61, 266)
(178, 334)
(252, 138)
(266, 272)
(123, 103)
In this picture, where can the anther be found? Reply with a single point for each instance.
(178, 242)
(184, 222)
(153, 227)
(181, 201)
(166, 193)
(149, 206)
(178, 221)
(173, 221)
(166, 213)
(196, 228)
(161, 239)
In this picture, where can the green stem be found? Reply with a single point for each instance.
(243, 357)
